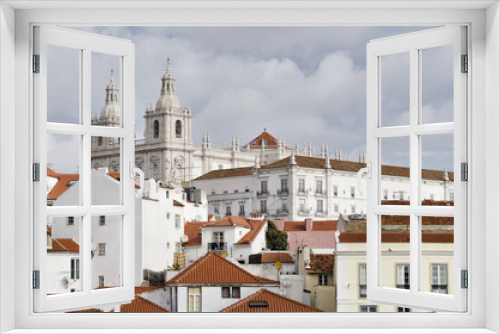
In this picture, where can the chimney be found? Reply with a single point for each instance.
(309, 224)
(280, 224)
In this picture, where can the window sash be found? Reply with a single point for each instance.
(414, 298)
(86, 43)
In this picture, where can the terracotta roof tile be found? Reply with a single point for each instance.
(142, 305)
(63, 245)
(405, 220)
(273, 257)
(324, 225)
(257, 142)
(143, 289)
(397, 237)
(229, 221)
(62, 185)
(51, 172)
(214, 269)
(193, 231)
(322, 262)
(248, 238)
(221, 173)
(318, 163)
(89, 310)
(177, 203)
(294, 226)
(275, 303)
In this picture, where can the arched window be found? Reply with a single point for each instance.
(178, 129)
(156, 129)
(99, 141)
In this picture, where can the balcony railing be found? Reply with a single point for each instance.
(219, 247)
(263, 193)
(303, 212)
(282, 191)
(241, 213)
(302, 191)
(321, 213)
(280, 212)
(320, 192)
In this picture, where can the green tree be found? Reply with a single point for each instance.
(275, 239)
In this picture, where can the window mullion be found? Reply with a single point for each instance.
(415, 88)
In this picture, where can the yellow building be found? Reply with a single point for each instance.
(317, 270)
(350, 262)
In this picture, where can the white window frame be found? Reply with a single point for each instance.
(416, 297)
(15, 39)
(86, 44)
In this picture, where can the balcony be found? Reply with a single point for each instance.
(281, 212)
(320, 192)
(303, 212)
(302, 191)
(321, 213)
(219, 247)
(241, 213)
(263, 193)
(282, 192)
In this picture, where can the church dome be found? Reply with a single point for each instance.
(111, 110)
(168, 97)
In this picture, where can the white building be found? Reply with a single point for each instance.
(213, 283)
(232, 237)
(63, 260)
(299, 187)
(167, 152)
(160, 217)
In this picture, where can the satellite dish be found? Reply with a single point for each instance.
(184, 238)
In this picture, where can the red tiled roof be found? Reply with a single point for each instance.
(51, 172)
(214, 269)
(248, 238)
(273, 257)
(62, 185)
(89, 310)
(193, 231)
(142, 305)
(177, 203)
(398, 237)
(405, 220)
(294, 226)
(324, 225)
(318, 225)
(258, 141)
(143, 289)
(221, 173)
(275, 302)
(322, 262)
(319, 163)
(63, 245)
(49, 230)
(229, 221)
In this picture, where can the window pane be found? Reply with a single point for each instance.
(437, 170)
(106, 171)
(437, 254)
(395, 89)
(437, 84)
(63, 255)
(63, 175)
(395, 252)
(107, 252)
(63, 84)
(395, 178)
(106, 108)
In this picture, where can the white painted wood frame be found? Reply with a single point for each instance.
(414, 43)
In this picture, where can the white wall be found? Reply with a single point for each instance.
(211, 297)
(58, 277)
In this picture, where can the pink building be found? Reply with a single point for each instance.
(311, 233)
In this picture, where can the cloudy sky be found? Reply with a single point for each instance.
(300, 83)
